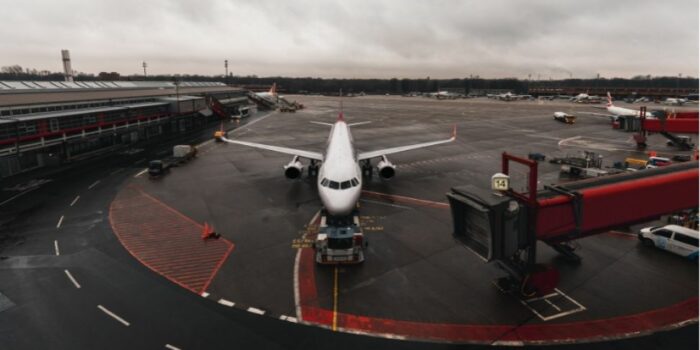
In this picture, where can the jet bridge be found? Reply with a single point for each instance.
(668, 124)
(504, 226)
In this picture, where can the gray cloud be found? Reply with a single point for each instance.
(364, 38)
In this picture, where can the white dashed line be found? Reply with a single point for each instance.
(257, 311)
(168, 346)
(141, 173)
(113, 315)
(55, 247)
(508, 343)
(70, 277)
(74, 201)
(204, 294)
(226, 302)
(94, 184)
(288, 318)
(60, 221)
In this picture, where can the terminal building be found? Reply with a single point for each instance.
(52, 123)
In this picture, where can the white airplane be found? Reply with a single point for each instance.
(585, 98)
(271, 95)
(617, 112)
(509, 96)
(623, 112)
(674, 101)
(444, 95)
(339, 178)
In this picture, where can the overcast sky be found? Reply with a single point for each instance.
(357, 38)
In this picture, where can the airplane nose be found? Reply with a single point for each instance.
(339, 202)
(339, 208)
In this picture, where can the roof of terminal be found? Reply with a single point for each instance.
(57, 114)
(31, 96)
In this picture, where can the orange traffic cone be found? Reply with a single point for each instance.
(209, 232)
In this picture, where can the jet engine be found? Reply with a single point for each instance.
(386, 169)
(294, 169)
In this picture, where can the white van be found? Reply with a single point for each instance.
(676, 239)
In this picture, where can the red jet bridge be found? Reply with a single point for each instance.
(505, 226)
(668, 124)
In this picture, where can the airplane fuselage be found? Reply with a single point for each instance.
(620, 111)
(340, 178)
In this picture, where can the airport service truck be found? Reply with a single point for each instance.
(340, 241)
(181, 154)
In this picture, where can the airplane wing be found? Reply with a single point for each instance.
(387, 151)
(359, 123)
(285, 150)
(320, 123)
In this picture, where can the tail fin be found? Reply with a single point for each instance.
(609, 99)
(273, 89)
(340, 100)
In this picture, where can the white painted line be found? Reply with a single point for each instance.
(168, 346)
(226, 302)
(141, 173)
(561, 314)
(288, 318)
(257, 311)
(55, 247)
(94, 184)
(113, 315)
(508, 343)
(70, 277)
(74, 201)
(204, 294)
(552, 305)
(60, 221)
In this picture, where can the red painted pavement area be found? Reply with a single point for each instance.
(540, 333)
(165, 240)
(602, 329)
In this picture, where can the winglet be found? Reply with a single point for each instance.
(454, 132)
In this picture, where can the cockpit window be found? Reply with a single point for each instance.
(354, 182)
(344, 185)
(334, 185)
(324, 182)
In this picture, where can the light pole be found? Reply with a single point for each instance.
(144, 65)
(226, 74)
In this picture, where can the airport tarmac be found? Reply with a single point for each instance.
(418, 282)
(134, 245)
